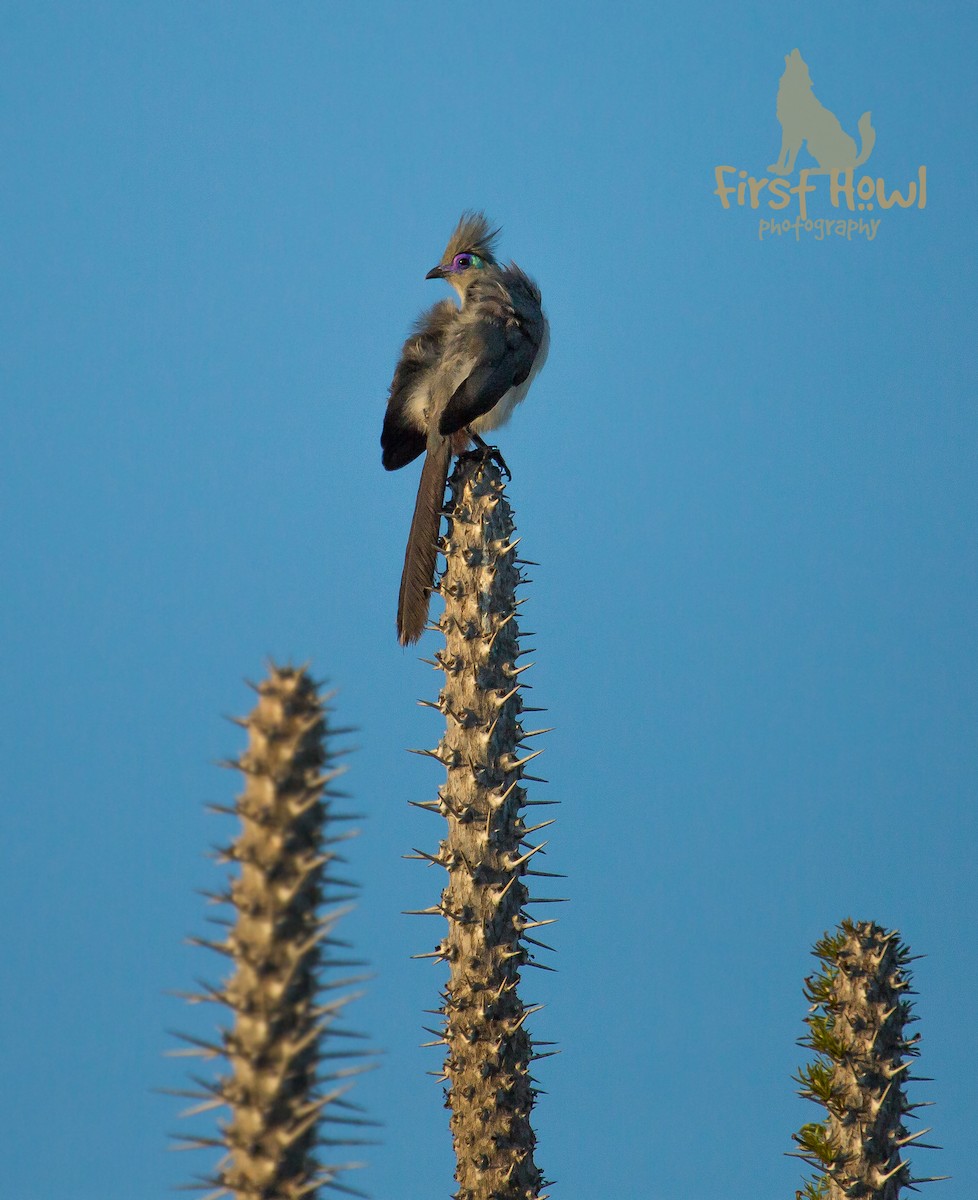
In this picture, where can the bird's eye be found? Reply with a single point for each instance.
(462, 261)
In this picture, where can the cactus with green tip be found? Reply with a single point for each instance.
(486, 852)
(279, 944)
(857, 1028)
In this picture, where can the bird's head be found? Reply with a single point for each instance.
(469, 251)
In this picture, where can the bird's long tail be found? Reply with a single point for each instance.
(417, 578)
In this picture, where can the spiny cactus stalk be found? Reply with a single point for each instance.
(856, 1027)
(279, 943)
(486, 853)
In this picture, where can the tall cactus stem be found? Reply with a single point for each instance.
(490, 1090)
(857, 1023)
(279, 943)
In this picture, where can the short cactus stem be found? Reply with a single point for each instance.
(857, 1027)
(486, 852)
(278, 943)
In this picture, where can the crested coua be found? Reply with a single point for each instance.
(462, 371)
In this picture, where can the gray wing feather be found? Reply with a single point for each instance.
(503, 337)
(402, 439)
(490, 380)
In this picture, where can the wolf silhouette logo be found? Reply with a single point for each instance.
(804, 119)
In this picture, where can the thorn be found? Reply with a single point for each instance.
(527, 1012)
(226, 810)
(435, 754)
(202, 1048)
(234, 764)
(509, 762)
(428, 805)
(519, 861)
(218, 947)
(512, 880)
(197, 1143)
(542, 825)
(205, 1106)
(512, 672)
(432, 858)
(542, 945)
(499, 801)
(209, 994)
(913, 1137)
(443, 800)
(889, 1174)
(502, 625)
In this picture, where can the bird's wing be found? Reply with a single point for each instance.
(404, 435)
(500, 339)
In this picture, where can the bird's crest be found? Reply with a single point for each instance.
(473, 235)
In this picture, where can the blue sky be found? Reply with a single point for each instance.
(748, 474)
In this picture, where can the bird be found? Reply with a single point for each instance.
(462, 370)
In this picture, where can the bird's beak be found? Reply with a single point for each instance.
(438, 272)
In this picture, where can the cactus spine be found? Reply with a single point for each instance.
(486, 853)
(856, 1027)
(279, 942)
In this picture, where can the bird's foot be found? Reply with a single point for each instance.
(483, 452)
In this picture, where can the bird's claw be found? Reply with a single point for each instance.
(483, 452)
